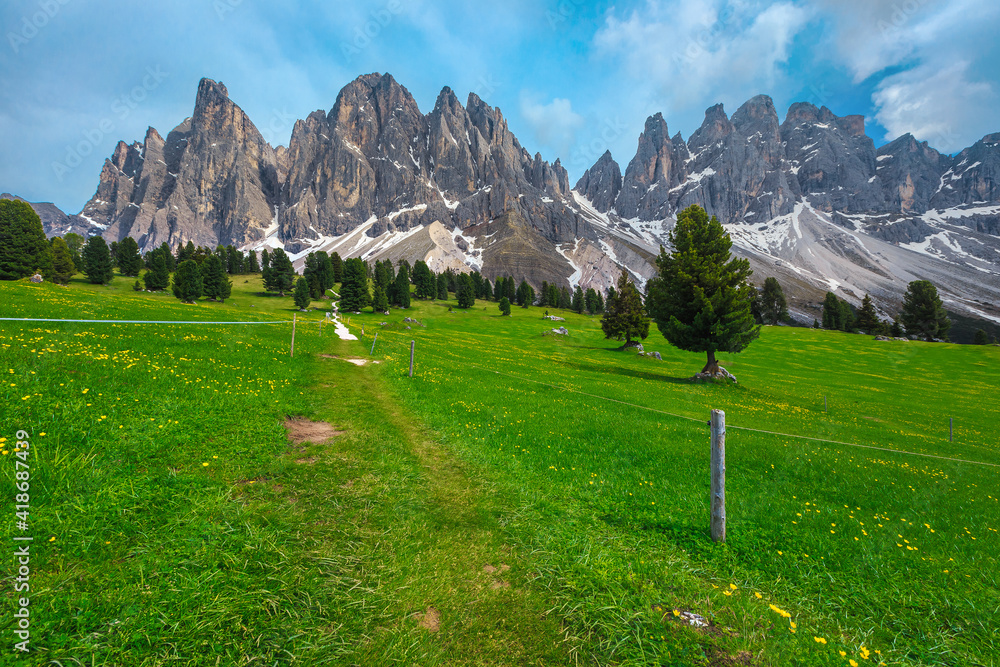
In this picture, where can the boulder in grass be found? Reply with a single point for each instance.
(720, 374)
(36, 278)
(562, 331)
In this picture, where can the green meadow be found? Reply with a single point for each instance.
(523, 499)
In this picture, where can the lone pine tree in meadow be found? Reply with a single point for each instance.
(923, 314)
(700, 297)
(625, 316)
(188, 284)
(302, 296)
(97, 261)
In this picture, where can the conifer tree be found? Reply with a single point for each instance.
(867, 319)
(338, 268)
(498, 288)
(578, 299)
(543, 297)
(401, 286)
(23, 246)
(504, 306)
(626, 317)
(553, 298)
(168, 256)
(281, 276)
(302, 295)
(772, 303)
(380, 302)
(831, 312)
(234, 261)
(981, 337)
(466, 291)
(510, 289)
(846, 316)
(157, 277)
(113, 251)
(600, 303)
(251, 262)
(311, 273)
(97, 261)
(215, 282)
(521, 295)
(487, 292)
(75, 243)
(700, 299)
(442, 287)
(128, 258)
(590, 300)
(923, 313)
(354, 286)
(265, 259)
(187, 281)
(423, 279)
(565, 299)
(63, 266)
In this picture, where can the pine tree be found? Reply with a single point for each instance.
(504, 306)
(325, 270)
(700, 299)
(157, 277)
(510, 289)
(185, 252)
(215, 283)
(113, 251)
(578, 300)
(23, 246)
(234, 261)
(168, 256)
(281, 276)
(772, 303)
(354, 286)
(63, 267)
(895, 330)
(401, 286)
(521, 295)
(251, 263)
(380, 302)
(867, 317)
(846, 316)
(600, 303)
(625, 317)
(590, 300)
(487, 293)
(423, 279)
(338, 268)
(187, 281)
(311, 273)
(75, 243)
(544, 295)
(97, 261)
(498, 289)
(129, 260)
(442, 285)
(553, 296)
(923, 314)
(302, 296)
(466, 291)
(981, 337)
(565, 299)
(265, 260)
(831, 312)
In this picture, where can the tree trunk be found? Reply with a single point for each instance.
(712, 366)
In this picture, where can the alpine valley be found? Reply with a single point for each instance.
(809, 200)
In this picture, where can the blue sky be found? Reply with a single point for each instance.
(573, 78)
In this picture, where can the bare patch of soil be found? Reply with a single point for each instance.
(430, 620)
(497, 585)
(307, 461)
(302, 430)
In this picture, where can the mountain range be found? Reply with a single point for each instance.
(809, 200)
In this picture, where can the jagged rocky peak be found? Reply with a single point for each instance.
(909, 171)
(758, 115)
(658, 165)
(714, 128)
(973, 177)
(601, 183)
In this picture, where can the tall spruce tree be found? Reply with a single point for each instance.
(626, 317)
(504, 306)
(578, 299)
(63, 266)
(772, 303)
(498, 288)
(97, 261)
(831, 312)
(565, 299)
(923, 313)
(510, 288)
(215, 281)
(129, 260)
(281, 276)
(302, 296)
(442, 287)
(354, 286)
(251, 264)
(380, 302)
(401, 286)
(23, 246)
(157, 276)
(590, 300)
(487, 291)
(338, 268)
(465, 292)
(75, 243)
(867, 320)
(187, 281)
(700, 298)
(981, 337)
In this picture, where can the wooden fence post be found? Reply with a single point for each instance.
(412, 344)
(373, 344)
(291, 352)
(718, 476)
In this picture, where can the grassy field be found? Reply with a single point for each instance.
(523, 499)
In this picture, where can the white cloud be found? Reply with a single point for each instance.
(693, 53)
(555, 124)
(939, 105)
